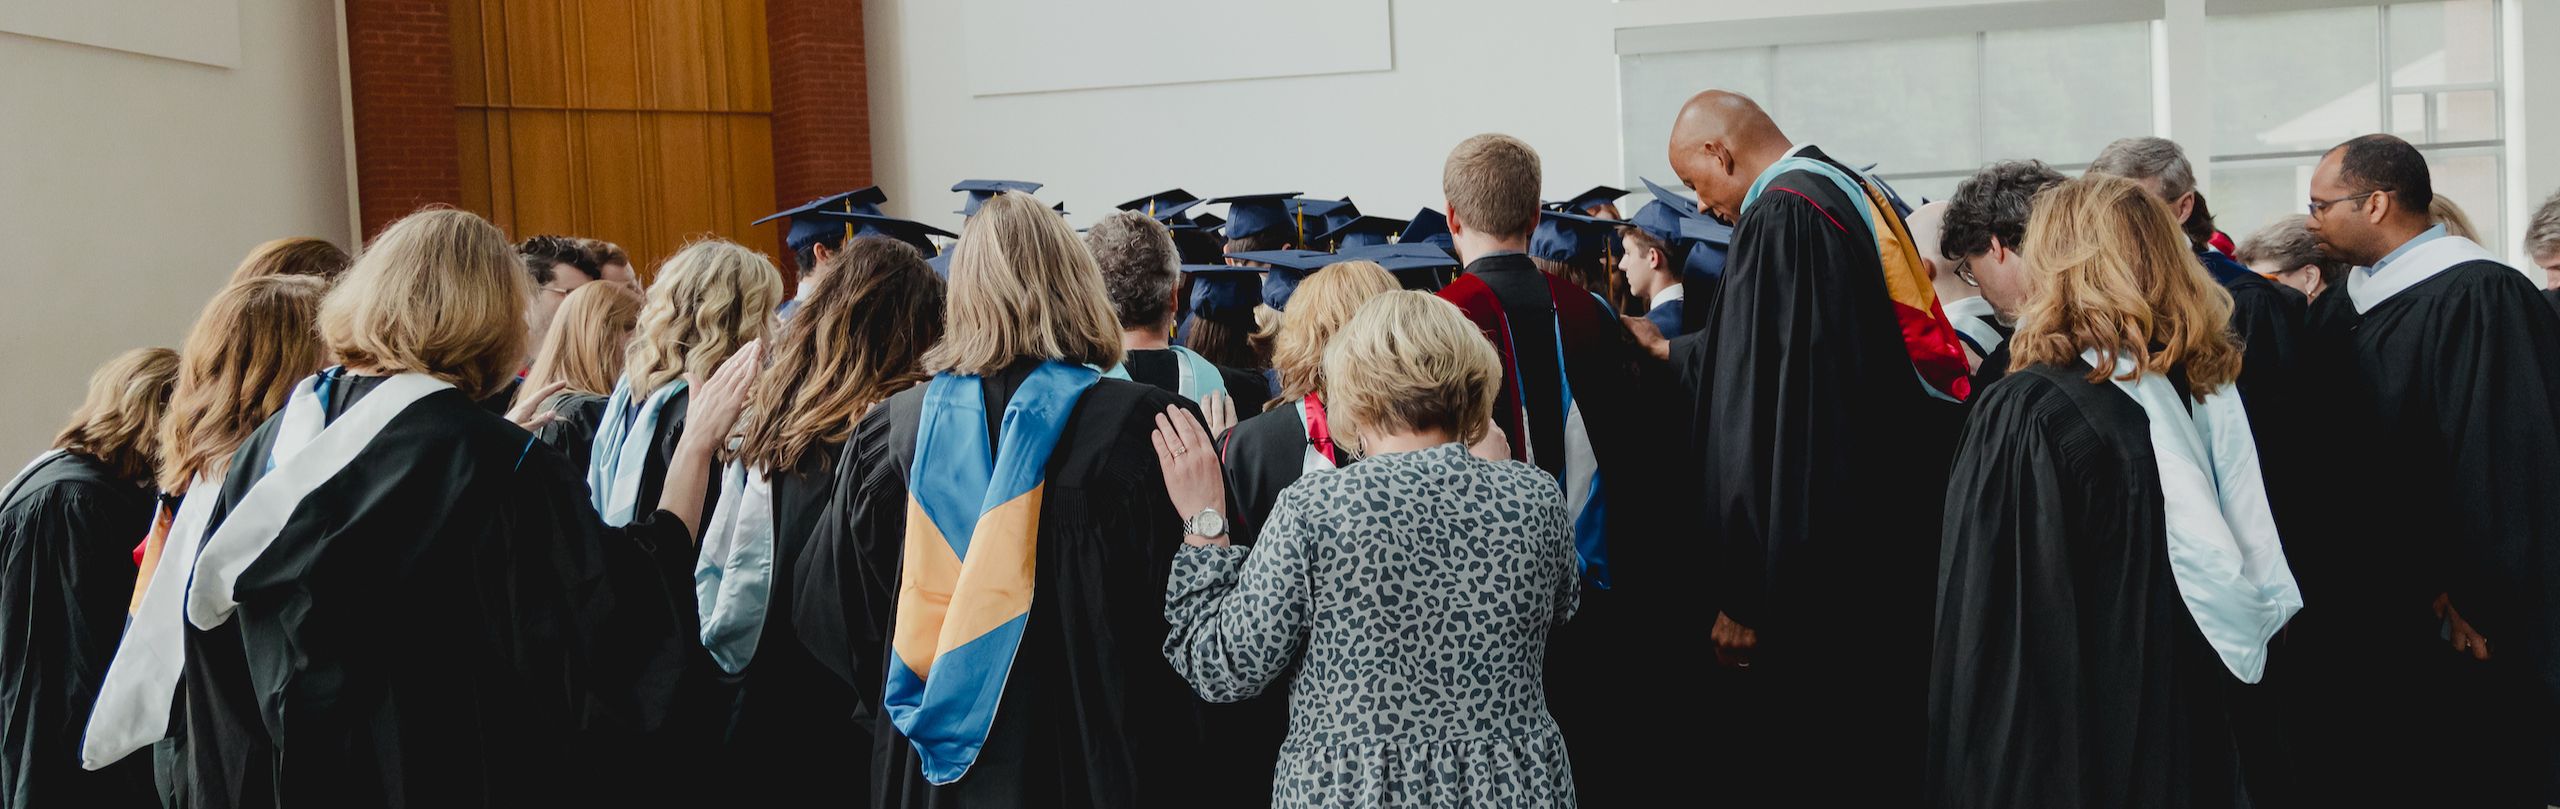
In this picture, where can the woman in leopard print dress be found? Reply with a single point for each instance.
(1412, 592)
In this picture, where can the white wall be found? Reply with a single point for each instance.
(1542, 70)
(130, 185)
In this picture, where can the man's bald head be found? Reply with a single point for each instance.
(1720, 144)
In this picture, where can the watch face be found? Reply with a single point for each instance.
(1209, 524)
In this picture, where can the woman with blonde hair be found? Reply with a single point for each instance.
(399, 600)
(579, 362)
(2109, 573)
(293, 255)
(1365, 577)
(859, 336)
(1004, 528)
(254, 340)
(67, 524)
(709, 299)
(1293, 436)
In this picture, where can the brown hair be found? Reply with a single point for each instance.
(119, 422)
(603, 252)
(1022, 285)
(439, 292)
(1234, 345)
(1491, 181)
(2110, 270)
(1139, 267)
(1408, 362)
(254, 341)
(294, 255)
(710, 298)
(1325, 301)
(587, 340)
(858, 338)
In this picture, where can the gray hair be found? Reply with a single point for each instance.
(2149, 158)
(1139, 266)
(2286, 243)
(2542, 235)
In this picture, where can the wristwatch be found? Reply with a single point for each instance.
(1208, 523)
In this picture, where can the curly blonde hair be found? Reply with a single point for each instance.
(710, 298)
(119, 422)
(253, 342)
(2109, 269)
(1325, 301)
(1408, 362)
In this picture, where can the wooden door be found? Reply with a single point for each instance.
(647, 123)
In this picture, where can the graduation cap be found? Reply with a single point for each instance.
(981, 190)
(1582, 203)
(1250, 215)
(912, 232)
(1333, 213)
(808, 228)
(1428, 227)
(1164, 206)
(1573, 238)
(1415, 266)
(1708, 240)
(1661, 220)
(1209, 223)
(1288, 267)
(1361, 232)
(1679, 204)
(1224, 293)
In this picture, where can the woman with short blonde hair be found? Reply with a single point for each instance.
(2107, 539)
(1018, 440)
(1366, 575)
(68, 522)
(400, 587)
(1295, 434)
(709, 299)
(582, 356)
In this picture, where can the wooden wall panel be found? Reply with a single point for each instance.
(644, 122)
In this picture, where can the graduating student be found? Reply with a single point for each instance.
(581, 359)
(2433, 366)
(1705, 242)
(1267, 452)
(710, 298)
(1828, 395)
(792, 730)
(68, 522)
(1140, 266)
(2109, 568)
(1981, 237)
(991, 568)
(1601, 202)
(401, 600)
(253, 341)
(1653, 253)
(1569, 405)
(1580, 249)
(812, 237)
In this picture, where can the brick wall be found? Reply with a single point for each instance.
(821, 103)
(400, 64)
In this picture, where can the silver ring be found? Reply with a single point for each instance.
(1178, 450)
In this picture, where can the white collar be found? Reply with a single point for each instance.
(1668, 294)
(2369, 290)
(1969, 306)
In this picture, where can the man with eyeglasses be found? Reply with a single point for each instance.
(2425, 663)
(1983, 232)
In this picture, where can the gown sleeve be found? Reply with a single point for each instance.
(2497, 394)
(1238, 614)
(845, 583)
(70, 576)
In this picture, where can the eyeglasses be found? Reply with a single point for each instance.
(2319, 205)
(1964, 272)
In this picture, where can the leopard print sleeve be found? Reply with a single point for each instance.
(1238, 615)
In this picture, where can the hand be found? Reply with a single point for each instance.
(2465, 639)
(1221, 410)
(712, 407)
(1649, 336)
(1734, 642)
(528, 412)
(1192, 477)
(1494, 446)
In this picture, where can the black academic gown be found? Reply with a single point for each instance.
(1824, 463)
(573, 430)
(66, 575)
(790, 732)
(2439, 463)
(1262, 455)
(446, 622)
(2068, 671)
(1093, 716)
(1161, 368)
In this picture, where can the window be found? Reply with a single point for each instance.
(1927, 111)
(2427, 72)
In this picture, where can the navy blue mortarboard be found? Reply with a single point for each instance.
(1361, 232)
(1428, 227)
(1708, 240)
(1224, 293)
(1164, 206)
(980, 190)
(1573, 238)
(808, 228)
(1209, 223)
(1061, 208)
(1661, 220)
(1288, 267)
(1416, 266)
(1333, 212)
(912, 232)
(1250, 215)
(1582, 203)
(1679, 204)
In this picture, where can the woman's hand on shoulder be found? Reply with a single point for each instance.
(1193, 480)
